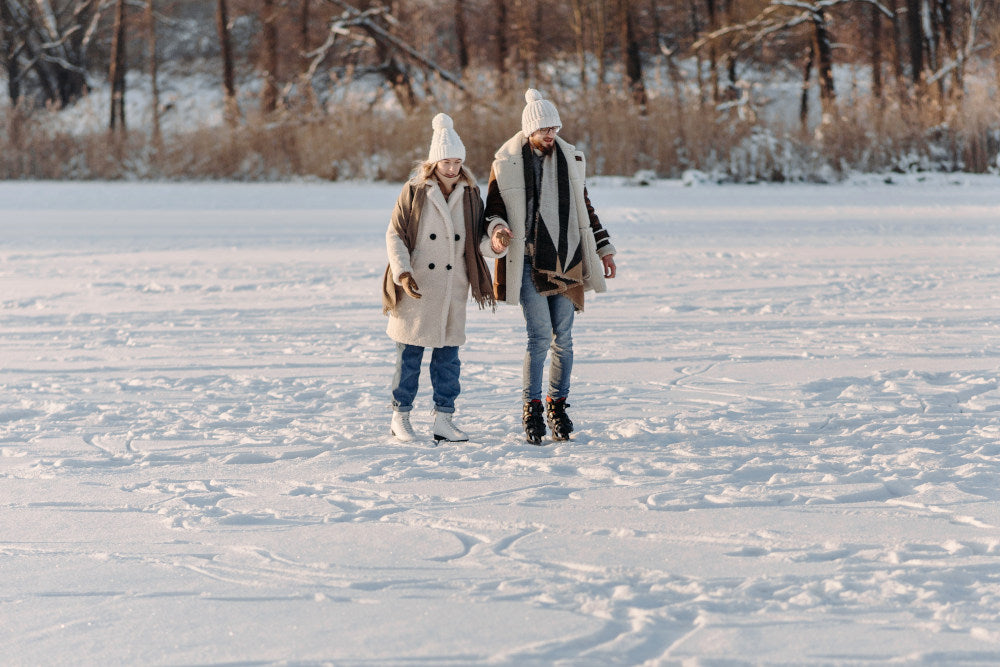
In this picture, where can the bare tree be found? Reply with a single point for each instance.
(713, 24)
(46, 48)
(877, 58)
(373, 32)
(9, 52)
(601, 30)
(631, 54)
(807, 68)
(501, 24)
(117, 72)
(304, 46)
(153, 73)
(269, 94)
(581, 21)
(232, 111)
(823, 46)
(809, 18)
(461, 36)
(897, 47)
(915, 29)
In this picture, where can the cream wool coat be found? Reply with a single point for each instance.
(438, 265)
(508, 169)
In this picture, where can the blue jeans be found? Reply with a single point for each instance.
(549, 321)
(445, 371)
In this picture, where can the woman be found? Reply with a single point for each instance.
(436, 241)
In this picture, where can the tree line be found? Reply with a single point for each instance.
(920, 53)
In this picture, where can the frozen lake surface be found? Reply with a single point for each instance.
(788, 444)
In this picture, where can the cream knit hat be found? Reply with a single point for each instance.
(445, 143)
(538, 113)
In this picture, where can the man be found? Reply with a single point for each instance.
(538, 208)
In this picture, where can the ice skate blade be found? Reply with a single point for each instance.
(439, 438)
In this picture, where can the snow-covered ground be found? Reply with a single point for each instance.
(788, 445)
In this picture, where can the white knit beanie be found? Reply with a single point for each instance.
(445, 143)
(538, 113)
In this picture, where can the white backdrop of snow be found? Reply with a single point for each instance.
(787, 447)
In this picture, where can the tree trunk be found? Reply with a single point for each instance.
(306, 90)
(580, 32)
(402, 86)
(824, 63)
(930, 24)
(232, 111)
(713, 66)
(898, 70)
(304, 47)
(269, 94)
(699, 68)
(461, 36)
(631, 55)
(500, 54)
(117, 73)
(600, 41)
(914, 26)
(523, 51)
(875, 23)
(394, 70)
(8, 54)
(807, 67)
(532, 41)
(947, 41)
(153, 74)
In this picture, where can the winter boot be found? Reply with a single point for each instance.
(400, 427)
(559, 422)
(445, 429)
(534, 425)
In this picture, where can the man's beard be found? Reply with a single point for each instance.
(543, 149)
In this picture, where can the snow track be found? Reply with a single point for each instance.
(787, 451)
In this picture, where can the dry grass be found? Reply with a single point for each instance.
(666, 138)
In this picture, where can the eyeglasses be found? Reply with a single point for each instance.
(549, 130)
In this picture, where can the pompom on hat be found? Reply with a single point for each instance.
(445, 142)
(538, 113)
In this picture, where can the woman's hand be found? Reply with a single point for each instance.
(409, 285)
(500, 239)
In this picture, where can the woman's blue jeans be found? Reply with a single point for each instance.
(445, 371)
(549, 321)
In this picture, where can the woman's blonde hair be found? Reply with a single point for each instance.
(423, 171)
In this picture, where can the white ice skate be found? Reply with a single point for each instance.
(445, 429)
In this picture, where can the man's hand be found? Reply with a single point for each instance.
(609, 266)
(409, 285)
(500, 239)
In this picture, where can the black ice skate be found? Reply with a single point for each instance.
(559, 421)
(534, 425)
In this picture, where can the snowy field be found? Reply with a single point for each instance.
(788, 446)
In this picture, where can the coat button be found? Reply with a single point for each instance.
(448, 267)
(431, 265)
(457, 237)
(433, 236)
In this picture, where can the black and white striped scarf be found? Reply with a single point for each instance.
(557, 252)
